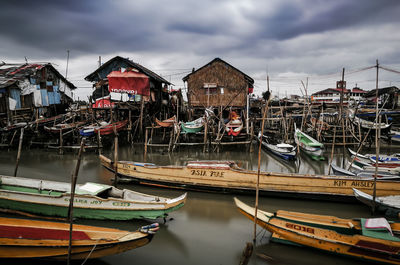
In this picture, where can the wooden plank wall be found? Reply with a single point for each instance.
(233, 82)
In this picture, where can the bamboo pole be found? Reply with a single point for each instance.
(21, 136)
(60, 151)
(377, 135)
(115, 157)
(74, 178)
(332, 151)
(258, 172)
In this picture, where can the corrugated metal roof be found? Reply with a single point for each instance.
(94, 76)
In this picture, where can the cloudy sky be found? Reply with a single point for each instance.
(291, 40)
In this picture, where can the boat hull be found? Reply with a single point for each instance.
(204, 175)
(23, 239)
(55, 203)
(331, 238)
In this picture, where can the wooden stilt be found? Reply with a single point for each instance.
(21, 136)
(74, 179)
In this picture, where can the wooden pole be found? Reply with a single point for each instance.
(332, 151)
(60, 151)
(146, 135)
(342, 119)
(205, 134)
(141, 116)
(74, 178)
(377, 132)
(258, 171)
(115, 157)
(21, 136)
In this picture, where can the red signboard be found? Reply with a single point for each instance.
(103, 103)
(130, 82)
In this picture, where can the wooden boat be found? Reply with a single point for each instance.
(51, 120)
(166, 123)
(192, 126)
(373, 239)
(22, 239)
(92, 200)
(235, 125)
(13, 127)
(309, 145)
(372, 126)
(338, 171)
(282, 150)
(63, 127)
(319, 124)
(109, 129)
(226, 176)
(390, 205)
(382, 158)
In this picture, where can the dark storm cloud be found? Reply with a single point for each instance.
(48, 26)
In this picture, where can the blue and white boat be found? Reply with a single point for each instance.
(282, 150)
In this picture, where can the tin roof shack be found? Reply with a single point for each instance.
(26, 87)
(118, 63)
(389, 96)
(218, 84)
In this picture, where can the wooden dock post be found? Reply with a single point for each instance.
(115, 157)
(60, 150)
(146, 135)
(205, 134)
(70, 218)
(21, 136)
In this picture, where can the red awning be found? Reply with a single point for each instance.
(129, 82)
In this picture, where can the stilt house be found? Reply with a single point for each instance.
(26, 87)
(218, 84)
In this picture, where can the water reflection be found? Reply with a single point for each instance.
(208, 229)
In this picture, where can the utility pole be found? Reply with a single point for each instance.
(66, 70)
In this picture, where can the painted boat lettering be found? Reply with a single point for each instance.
(300, 228)
(121, 204)
(197, 172)
(77, 201)
(353, 183)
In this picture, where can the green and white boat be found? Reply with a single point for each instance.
(309, 145)
(192, 126)
(91, 200)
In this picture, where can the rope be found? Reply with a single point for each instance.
(90, 253)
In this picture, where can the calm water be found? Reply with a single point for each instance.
(208, 229)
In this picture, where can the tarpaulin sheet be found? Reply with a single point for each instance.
(103, 103)
(129, 82)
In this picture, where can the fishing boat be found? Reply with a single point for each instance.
(23, 238)
(109, 129)
(92, 200)
(338, 171)
(192, 126)
(370, 239)
(166, 123)
(282, 150)
(63, 127)
(227, 176)
(13, 127)
(382, 158)
(309, 145)
(319, 124)
(235, 125)
(390, 205)
(40, 122)
(372, 126)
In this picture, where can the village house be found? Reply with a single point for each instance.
(220, 86)
(129, 78)
(29, 87)
(332, 95)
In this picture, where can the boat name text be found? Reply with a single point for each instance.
(300, 228)
(354, 183)
(197, 172)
